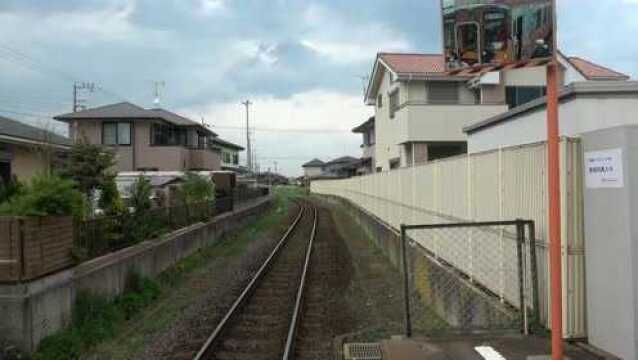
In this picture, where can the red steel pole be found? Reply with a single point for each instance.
(553, 183)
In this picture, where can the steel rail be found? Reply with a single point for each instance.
(292, 331)
(247, 290)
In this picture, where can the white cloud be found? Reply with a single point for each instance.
(340, 41)
(210, 7)
(325, 117)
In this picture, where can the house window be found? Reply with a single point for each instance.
(167, 135)
(236, 159)
(443, 93)
(226, 157)
(380, 101)
(394, 103)
(202, 140)
(520, 95)
(116, 133)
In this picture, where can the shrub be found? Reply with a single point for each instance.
(96, 319)
(46, 195)
(110, 201)
(10, 188)
(196, 189)
(141, 192)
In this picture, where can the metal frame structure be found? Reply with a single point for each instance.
(521, 236)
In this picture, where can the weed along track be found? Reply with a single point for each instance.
(263, 320)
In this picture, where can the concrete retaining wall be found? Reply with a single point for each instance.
(461, 305)
(30, 311)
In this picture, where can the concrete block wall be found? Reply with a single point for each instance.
(464, 307)
(32, 310)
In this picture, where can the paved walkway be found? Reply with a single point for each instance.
(511, 347)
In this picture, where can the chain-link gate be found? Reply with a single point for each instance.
(469, 277)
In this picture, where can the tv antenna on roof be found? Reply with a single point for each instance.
(157, 85)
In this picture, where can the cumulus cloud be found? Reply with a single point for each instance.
(292, 131)
(298, 60)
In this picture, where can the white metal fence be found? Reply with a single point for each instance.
(499, 185)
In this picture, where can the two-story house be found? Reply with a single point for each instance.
(368, 165)
(229, 154)
(421, 109)
(146, 139)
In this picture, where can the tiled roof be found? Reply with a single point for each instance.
(593, 71)
(227, 144)
(112, 111)
(414, 63)
(314, 163)
(343, 160)
(126, 110)
(19, 130)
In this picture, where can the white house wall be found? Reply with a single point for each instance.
(577, 116)
(386, 130)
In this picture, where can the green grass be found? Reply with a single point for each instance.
(96, 319)
(120, 328)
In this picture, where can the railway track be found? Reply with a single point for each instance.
(262, 322)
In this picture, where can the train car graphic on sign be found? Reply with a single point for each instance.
(496, 31)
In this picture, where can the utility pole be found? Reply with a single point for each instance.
(249, 160)
(77, 86)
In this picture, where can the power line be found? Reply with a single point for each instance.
(25, 60)
(24, 113)
(286, 130)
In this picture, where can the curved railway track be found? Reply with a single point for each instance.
(263, 321)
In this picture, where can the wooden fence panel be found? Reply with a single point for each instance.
(34, 246)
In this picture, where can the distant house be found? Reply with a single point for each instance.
(345, 166)
(313, 168)
(229, 154)
(367, 146)
(26, 150)
(146, 139)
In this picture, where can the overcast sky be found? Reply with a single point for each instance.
(300, 62)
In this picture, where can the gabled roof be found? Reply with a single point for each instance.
(369, 124)
(314, 163)
(112, 111)
(401, 63)
(343, 160)
(21, 132)
(126, 110)
(227, 144)
(405, 66)
(593, 71)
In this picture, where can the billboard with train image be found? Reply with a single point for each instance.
(477, 32)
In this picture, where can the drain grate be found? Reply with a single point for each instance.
(362, 351)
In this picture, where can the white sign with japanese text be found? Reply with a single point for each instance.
(604, 169)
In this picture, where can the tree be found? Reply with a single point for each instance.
(110, 201)
(88, 165)
(196, 189)
(141, 192)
